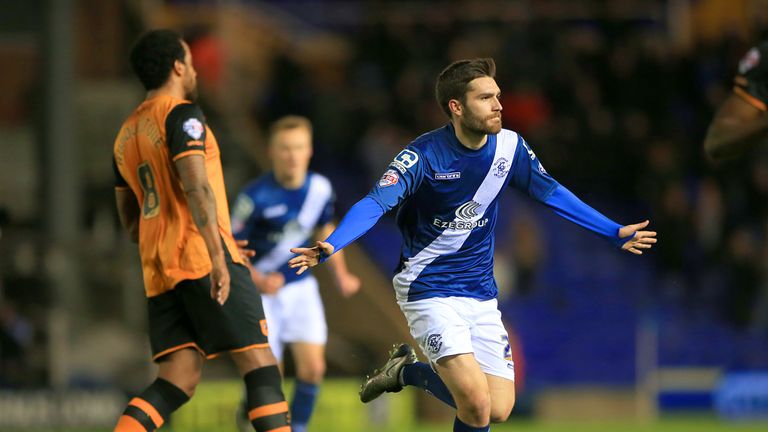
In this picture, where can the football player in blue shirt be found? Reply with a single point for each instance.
(284, 209)
(741, 121)
(446, 184)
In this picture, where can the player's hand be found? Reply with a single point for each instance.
(309, 257)
(220, 281)
(271, 283)
(641, 240)
(246, 253)
(348, 284)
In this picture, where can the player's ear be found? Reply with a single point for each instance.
(455, 106)
(178, 67)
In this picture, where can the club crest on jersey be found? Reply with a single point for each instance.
(194, 128)
(749, 61)
(501, 167)
(434, 343)
(389, 178)
(404, 160)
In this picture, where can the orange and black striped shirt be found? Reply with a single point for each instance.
(160, 131)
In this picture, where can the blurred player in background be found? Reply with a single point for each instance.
(447, 183)
(741, 121)
(170, 197)
(284, 209)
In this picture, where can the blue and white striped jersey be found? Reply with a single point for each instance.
(274, 219)
(448, 196)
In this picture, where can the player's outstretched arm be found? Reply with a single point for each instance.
(629, 237)
(347, 282)
(358, 220)
(310, 257)
(638, 240)
(737, 126)
(202, 205)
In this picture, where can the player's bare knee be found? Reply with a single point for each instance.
(475, 408)
(312, 372)
(500, 415)
(254, 358)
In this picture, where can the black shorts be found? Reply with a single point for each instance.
(187, 317)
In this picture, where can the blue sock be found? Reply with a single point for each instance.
(303, 403)
(459, 426)
(421, 375)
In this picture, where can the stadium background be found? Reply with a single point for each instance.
(614, 96)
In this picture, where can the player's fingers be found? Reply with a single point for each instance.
(647, 233)
(302, 269)
(649, 240)
(641, 225)
(642, 246)
(242, 243)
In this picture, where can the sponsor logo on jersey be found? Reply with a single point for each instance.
(501, 167)
(467, 211)
(389, 178)
(464, 215)
(275, 211)
(448, 176)
(194, 128)
(460, 224)
(749, 61)
(434, 343)
(404, 160)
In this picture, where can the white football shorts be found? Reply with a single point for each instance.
(295, 314)
(444, 326)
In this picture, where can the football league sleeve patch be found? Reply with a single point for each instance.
(185, 131)
(400, 180)
(751, 82)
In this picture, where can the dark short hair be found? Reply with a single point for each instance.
(153, 57)
(289, 122)
(453, 80)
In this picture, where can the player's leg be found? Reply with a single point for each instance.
(177, 378)
(502, 392)
(180, 364)
(494, 355)
(462, 375)
(273, 315)
(266, 405)
(240, 328)
(310, 369)
(441, 332)
(305, 331)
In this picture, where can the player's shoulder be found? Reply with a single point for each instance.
(258, 185)
(507, 137)
(320, 182)
(428, 142)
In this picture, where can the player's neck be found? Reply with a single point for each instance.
(169, 89)
(290, 182)
(469, 139)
